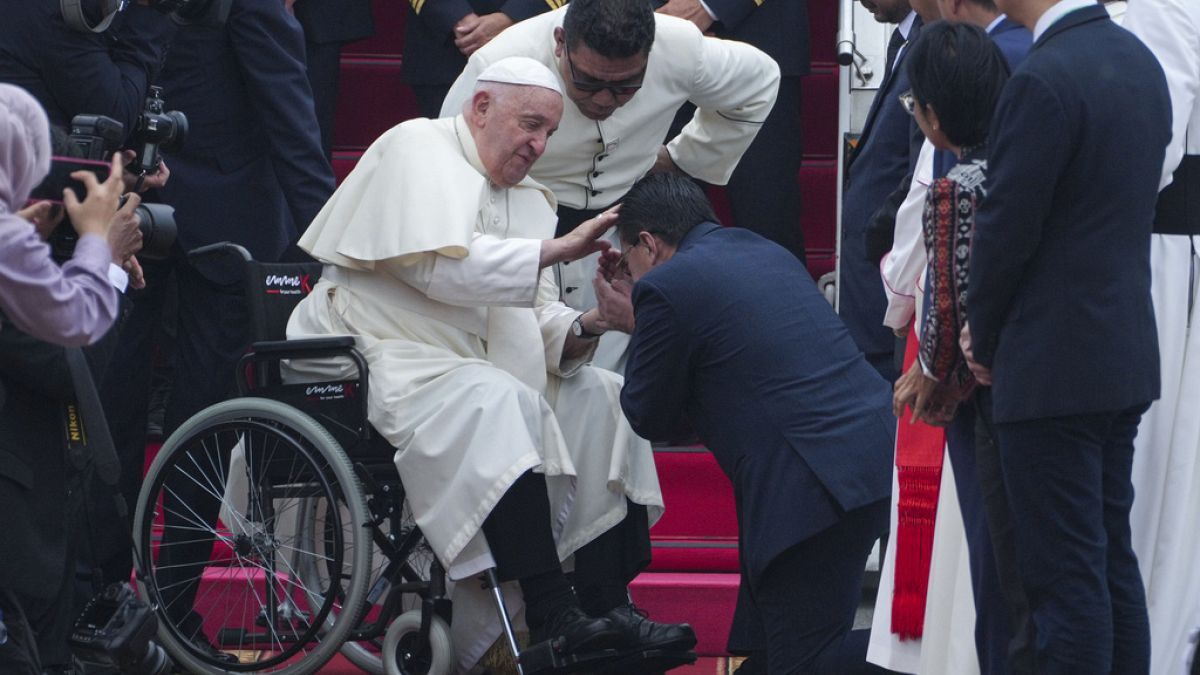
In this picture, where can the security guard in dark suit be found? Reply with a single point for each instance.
(252, 172)
(432, 60)
(329, 24)
(763, 191)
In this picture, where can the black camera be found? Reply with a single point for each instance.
(157, 129)
(92, 141)
(114, 630)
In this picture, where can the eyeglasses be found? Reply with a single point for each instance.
(590, 85)
(908, 101)
(622, 263)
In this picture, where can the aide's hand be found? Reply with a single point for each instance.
(983, 374)
(150, 181)
(124, 237)
(691, 10)
(289, 5)
(45, 216)
(613, 301)
(94, 215)
(581, 242)
(474, 31)
(913, 390)
(900, 332)
(664, 163)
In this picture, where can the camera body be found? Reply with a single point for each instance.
(114, 630)
(157, 129)
(92, 141)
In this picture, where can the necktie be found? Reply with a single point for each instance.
(893, 50)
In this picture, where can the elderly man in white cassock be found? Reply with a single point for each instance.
(513, 451)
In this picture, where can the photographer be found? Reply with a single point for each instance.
(75, 304)
(38, 486)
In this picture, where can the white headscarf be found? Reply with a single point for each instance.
(24, 147)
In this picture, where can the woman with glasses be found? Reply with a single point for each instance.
(957, 73)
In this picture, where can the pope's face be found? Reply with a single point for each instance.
(511, 129)
(597, 84)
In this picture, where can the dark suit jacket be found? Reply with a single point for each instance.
(778, 27)
(252, 170)
(733, 336)
(1059, 298)
(335, 20)
(34, 505)
(430, 56)
(71, 73)
(886, 152)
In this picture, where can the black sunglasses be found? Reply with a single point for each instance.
(593, 86)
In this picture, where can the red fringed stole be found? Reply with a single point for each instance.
(919, 452)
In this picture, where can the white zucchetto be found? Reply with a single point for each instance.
(521, 70)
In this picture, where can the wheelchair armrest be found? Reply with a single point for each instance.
(219, 248)
(273, 347)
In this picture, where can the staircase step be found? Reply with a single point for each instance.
(706, 601)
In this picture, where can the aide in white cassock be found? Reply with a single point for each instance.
(1166, 458)
(435, 250)
(626, 71)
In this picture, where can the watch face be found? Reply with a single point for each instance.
(577, 328)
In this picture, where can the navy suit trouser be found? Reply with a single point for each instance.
(992, 617)
(807, 597)
(1069, 489)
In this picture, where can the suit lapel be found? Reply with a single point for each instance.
(884, 92)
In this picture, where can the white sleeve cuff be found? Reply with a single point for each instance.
(118, 277)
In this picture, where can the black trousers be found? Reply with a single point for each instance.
(324, 66)
(1003, 537)
(519, 535)
(993, 621)
(1068, 484)
(430, 98)
(212, 333)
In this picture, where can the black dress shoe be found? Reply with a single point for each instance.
(580, 632)
(641, 632)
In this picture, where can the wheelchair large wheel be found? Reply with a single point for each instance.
(219, 541)
(400, 557)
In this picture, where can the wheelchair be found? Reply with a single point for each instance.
(271, 531)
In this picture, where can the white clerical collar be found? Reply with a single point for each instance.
(996, 22)
(1052, 15)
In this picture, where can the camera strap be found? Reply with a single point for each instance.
(72, 11)
(87, 428)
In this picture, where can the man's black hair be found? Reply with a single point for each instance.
(958, 71)
(665, 204)
(615, 29)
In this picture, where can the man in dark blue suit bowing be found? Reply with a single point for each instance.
(252, 172)
(732, 339)
(1060, 319)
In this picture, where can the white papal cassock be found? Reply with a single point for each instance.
(435, 273)
(1165, 520)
